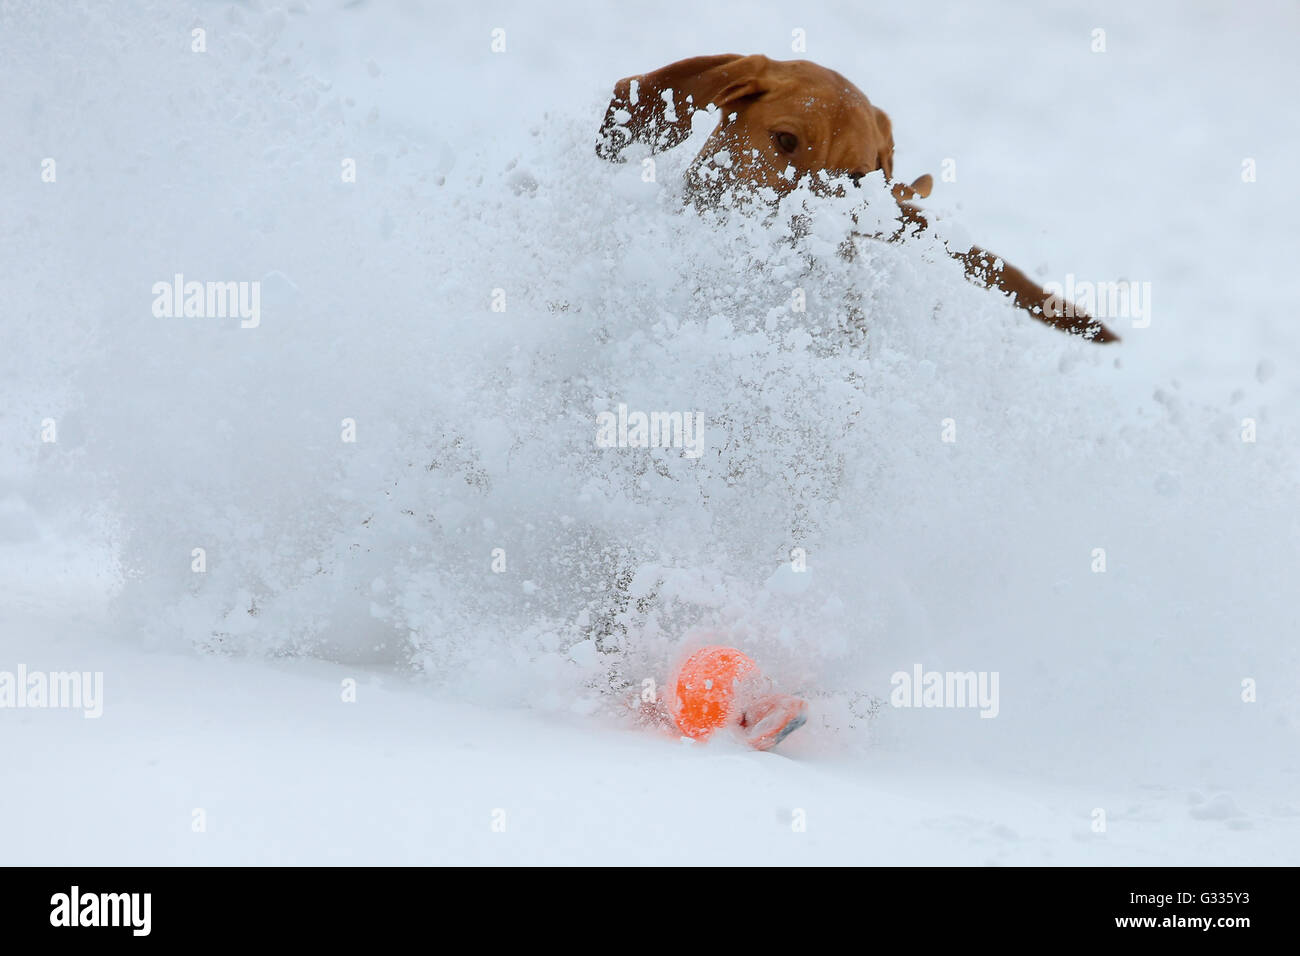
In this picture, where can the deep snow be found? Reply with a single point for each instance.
(329, 560)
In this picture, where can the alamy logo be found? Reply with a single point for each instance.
(102, 909)
(72, 690)
(209, 300)
(922, 688)
(1102, 300)
(684, 430)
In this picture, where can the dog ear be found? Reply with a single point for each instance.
(655, 108)
(919, 189)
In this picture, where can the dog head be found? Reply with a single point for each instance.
(786, 121)
(780, 121)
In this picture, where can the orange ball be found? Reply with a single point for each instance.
(706, 689)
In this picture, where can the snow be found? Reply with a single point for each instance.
(284, 772)
(490, 720)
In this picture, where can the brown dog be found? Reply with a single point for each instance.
(782, 121)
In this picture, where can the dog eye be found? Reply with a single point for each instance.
(788, 142)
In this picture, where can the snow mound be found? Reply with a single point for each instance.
(402, 463)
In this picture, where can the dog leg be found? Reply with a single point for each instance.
(991, 271)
